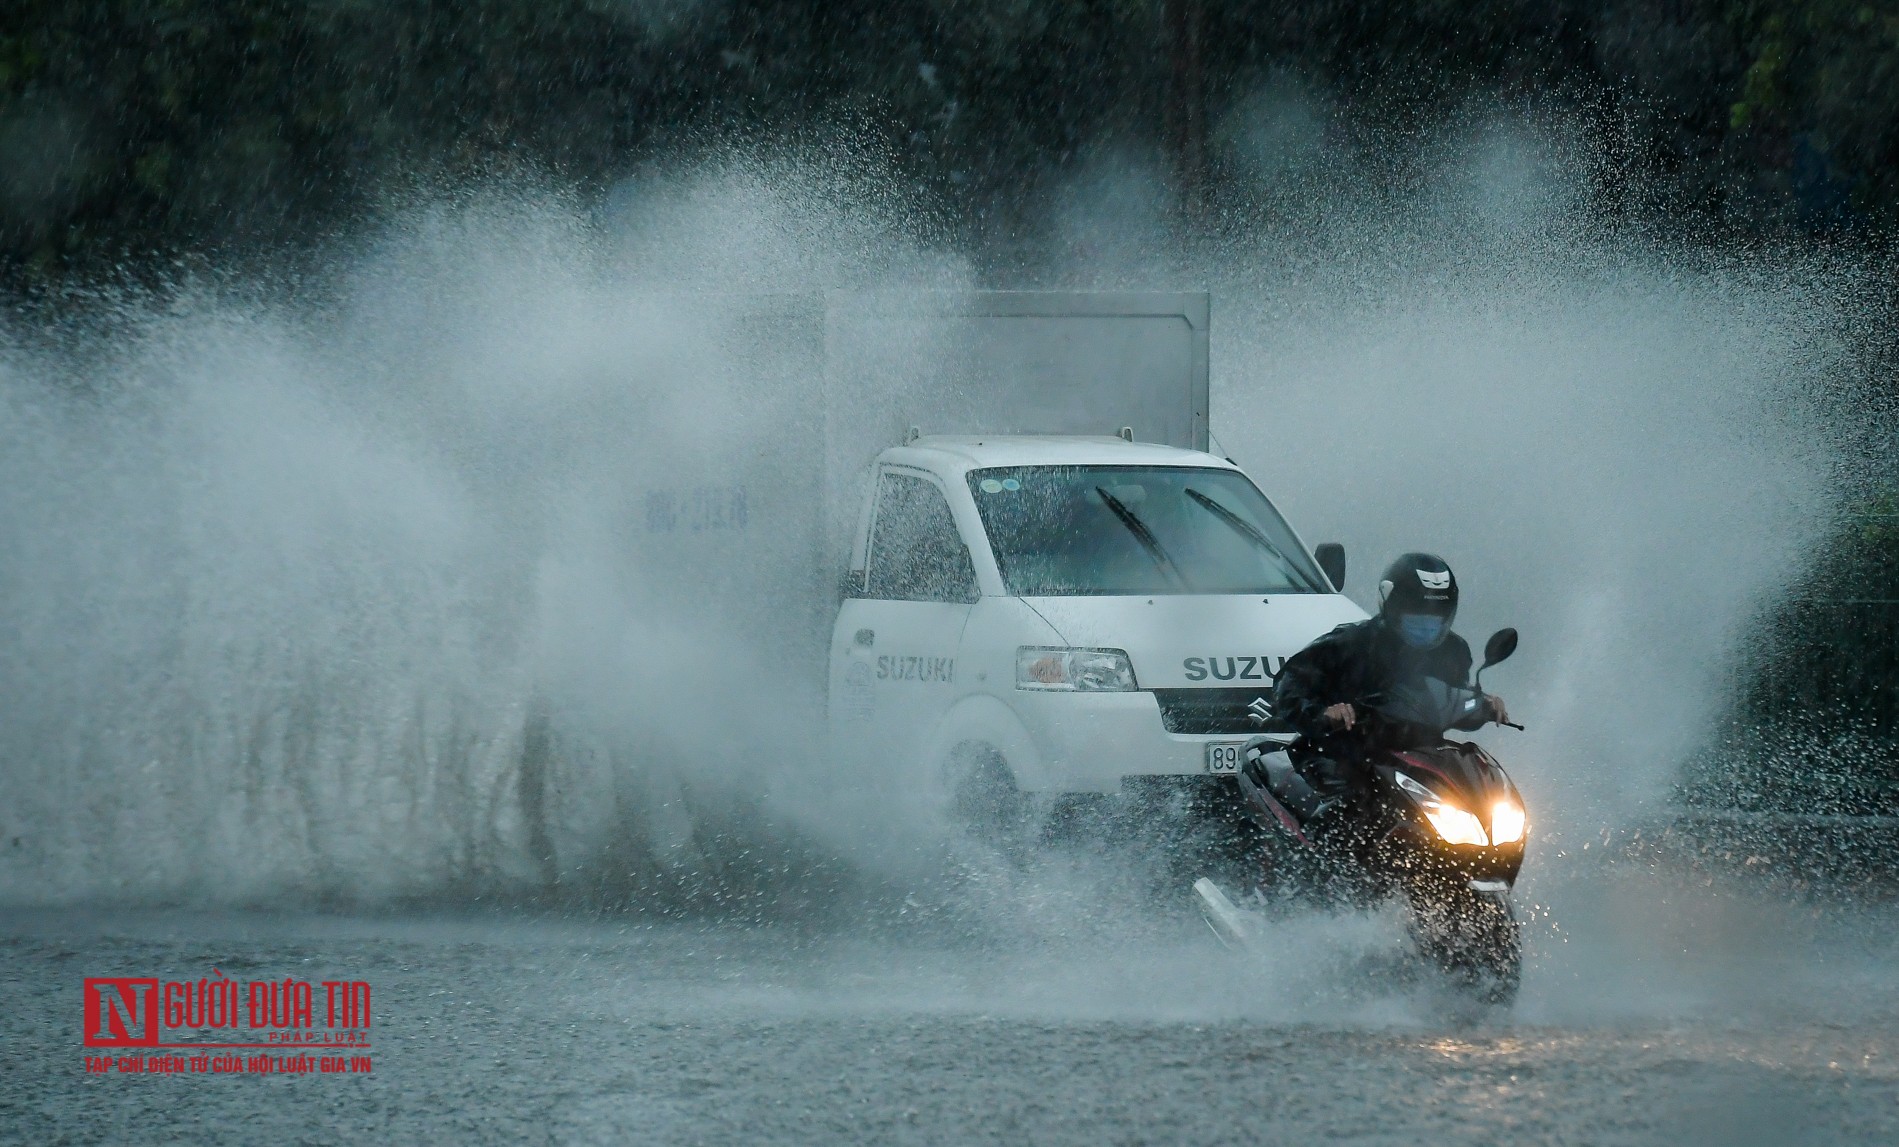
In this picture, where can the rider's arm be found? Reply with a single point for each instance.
(1309, 683)
(1489, 708)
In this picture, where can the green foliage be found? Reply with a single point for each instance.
(131, 128)
(1816, 701)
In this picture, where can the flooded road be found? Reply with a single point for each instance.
(1702, 1016)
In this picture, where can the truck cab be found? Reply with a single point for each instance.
(1079, 610)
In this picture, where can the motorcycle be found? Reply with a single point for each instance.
(1437, 823)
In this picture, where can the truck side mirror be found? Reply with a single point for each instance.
(1500, 646)
(1331, 558)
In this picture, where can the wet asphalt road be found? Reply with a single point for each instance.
(1703, 1019)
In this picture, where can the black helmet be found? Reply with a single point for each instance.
(1421, 588)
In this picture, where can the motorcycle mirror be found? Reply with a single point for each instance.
(1331, 558)
(1500, 646)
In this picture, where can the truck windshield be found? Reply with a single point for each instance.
(1076, 530)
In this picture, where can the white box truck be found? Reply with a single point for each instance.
(1047, 576)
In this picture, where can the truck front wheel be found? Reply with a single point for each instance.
(985, 802)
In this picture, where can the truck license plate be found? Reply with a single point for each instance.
(1223, 757)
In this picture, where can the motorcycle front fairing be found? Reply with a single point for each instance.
(1467, 814)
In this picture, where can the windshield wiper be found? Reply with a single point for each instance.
(1144, 536)
(1250, 532)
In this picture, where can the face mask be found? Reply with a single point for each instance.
(1421, 630)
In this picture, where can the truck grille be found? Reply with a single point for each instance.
(1214, 711)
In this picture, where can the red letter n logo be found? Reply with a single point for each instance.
(121, 1012)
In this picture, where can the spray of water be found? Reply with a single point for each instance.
(1624, 447)
(347, 598)
(341, 594)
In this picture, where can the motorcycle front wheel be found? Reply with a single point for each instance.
(1472, 936)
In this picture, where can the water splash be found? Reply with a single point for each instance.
(336, 595)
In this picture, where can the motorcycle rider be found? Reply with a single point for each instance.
(1408, 640)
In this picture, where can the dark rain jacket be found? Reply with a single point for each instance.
(1349, 664)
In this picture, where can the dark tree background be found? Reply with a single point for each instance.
(135, 129)
(134, 133)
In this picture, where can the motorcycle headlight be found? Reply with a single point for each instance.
(1506, 822)
(1074, 670)
(1453, 824)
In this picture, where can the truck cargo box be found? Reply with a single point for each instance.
(741, 529)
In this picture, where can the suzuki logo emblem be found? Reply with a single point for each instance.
(1261, 710)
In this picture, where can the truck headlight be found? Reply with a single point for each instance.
(1453, 824)
(1073, 670)
(1506, 822)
